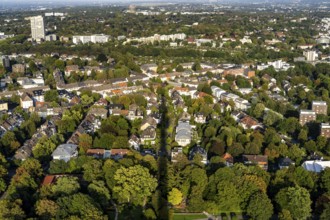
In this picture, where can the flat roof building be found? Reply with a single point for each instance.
(320, 107)
(306, 116)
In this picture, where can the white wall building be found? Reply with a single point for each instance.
(37, 27)
(310, 55)
(97, 38)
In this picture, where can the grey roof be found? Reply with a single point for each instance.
(183, 126)
(183, 134)
(183, 130)
(65, 151)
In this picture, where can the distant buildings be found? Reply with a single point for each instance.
(3, 106)
(278, 65)
(325, 130)
(157, 37)
(18, 68)
(51, 37)
(320, 107)
(306, 116)
(6, 62)
(97, 38)
(310, 55)
(37, 28)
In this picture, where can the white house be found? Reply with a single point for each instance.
(26, 101)
(315, 165)
(183, 133)
(65, 152)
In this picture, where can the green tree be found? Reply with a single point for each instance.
(228, 197)
(260, 207)
(66, 186)
(93, 170)
(60, 64)
(51, 96)
(271, 118)
(85, 142)
(196, 66)
(11, 210)
(325, 179)
(175, 196)
(259, 110)
(80, 205)
(46, 209)
(102, 58)
(86, 100)
(179, 68)
(44, 148)
(296, 200)
(134, 184)
(99, 192)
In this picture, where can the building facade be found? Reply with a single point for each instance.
(37, 28)
(325, 130)
(306, 116)
(320, 107)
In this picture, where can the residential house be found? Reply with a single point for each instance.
(247, 122)
(185, 116)
(3, 106)
(65, 152)
(156, 116)
(147, 122)
(101, 102)
(134, 112)
(28, 83)
(316, 166)
(200, 118)
(148, 135)
(183, 133)
(89, 69)
(99, 112)
(47, 129)
(134, 142)
(229, 159)
(18, 68)
(175, 153)
(71, 68)
(117, 154)
(38, 95)
(99, 153)
(152, 67)
(44, 109)
(115, 107)
(26, 101)
(50, 179)
(285, 163)
(259, 160)
(198, 150)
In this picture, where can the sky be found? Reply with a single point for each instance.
(81, 2)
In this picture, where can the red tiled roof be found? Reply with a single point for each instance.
(119, 151)
(95, 151)
(49, 179)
